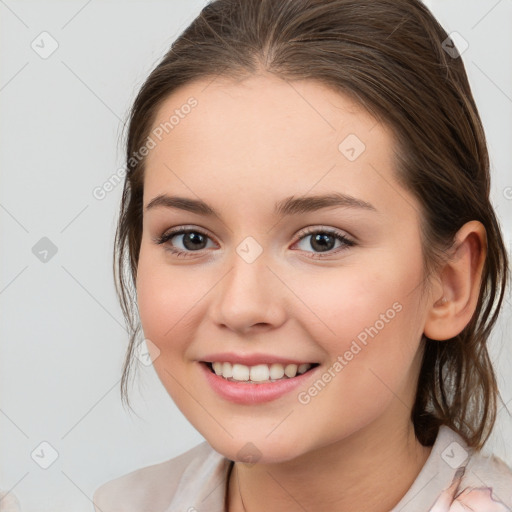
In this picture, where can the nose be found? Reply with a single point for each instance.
(250, 297)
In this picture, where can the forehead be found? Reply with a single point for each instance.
(251, 111)
(266, 136)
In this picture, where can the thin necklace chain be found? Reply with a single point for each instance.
(239, 490)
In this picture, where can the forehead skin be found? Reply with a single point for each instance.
(253, 142)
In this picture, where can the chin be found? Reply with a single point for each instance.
(262, 451)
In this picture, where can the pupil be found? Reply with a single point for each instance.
(194, 238)
(321, 239)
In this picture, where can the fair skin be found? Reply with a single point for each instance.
(244, 147)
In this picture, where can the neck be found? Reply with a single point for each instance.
(363, 472)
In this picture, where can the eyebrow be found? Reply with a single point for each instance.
(286, 207)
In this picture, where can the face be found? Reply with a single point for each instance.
(331, 288)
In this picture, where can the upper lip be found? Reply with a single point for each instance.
(252, 359)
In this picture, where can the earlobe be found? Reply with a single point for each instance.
(460, 280)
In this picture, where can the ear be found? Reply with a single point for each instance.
(455, 296)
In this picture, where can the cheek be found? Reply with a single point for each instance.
(347, 302)
(371, 327)
(164, 297)
(371, 359)
(381, 331)
(166, 302)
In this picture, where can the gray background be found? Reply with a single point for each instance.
(61, 330)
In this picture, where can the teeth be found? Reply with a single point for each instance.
(276, 371)
(260, 372)
(290, 370)
(227, 370)
(240, 372)
(303, 368)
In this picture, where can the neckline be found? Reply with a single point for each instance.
(435, 475)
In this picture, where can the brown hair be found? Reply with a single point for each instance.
(388, 55)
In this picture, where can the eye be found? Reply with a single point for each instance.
(324, 241)
(192, 240)
(195, 240)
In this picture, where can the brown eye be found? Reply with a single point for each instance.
(191, 240)
(324, 241)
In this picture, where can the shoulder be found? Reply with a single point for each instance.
(487, 479)
(488, 465)
(153, 487)
(481, 481)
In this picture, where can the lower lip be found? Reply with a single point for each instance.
(246, 393)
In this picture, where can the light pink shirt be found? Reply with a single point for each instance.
(454, 478)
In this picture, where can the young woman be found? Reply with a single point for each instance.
(317, 265)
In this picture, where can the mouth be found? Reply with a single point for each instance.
(260, 373)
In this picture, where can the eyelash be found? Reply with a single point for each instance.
(309, 231)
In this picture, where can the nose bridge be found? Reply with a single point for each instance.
(249, 294)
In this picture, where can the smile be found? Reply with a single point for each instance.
(259, 373)
(259, 383)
